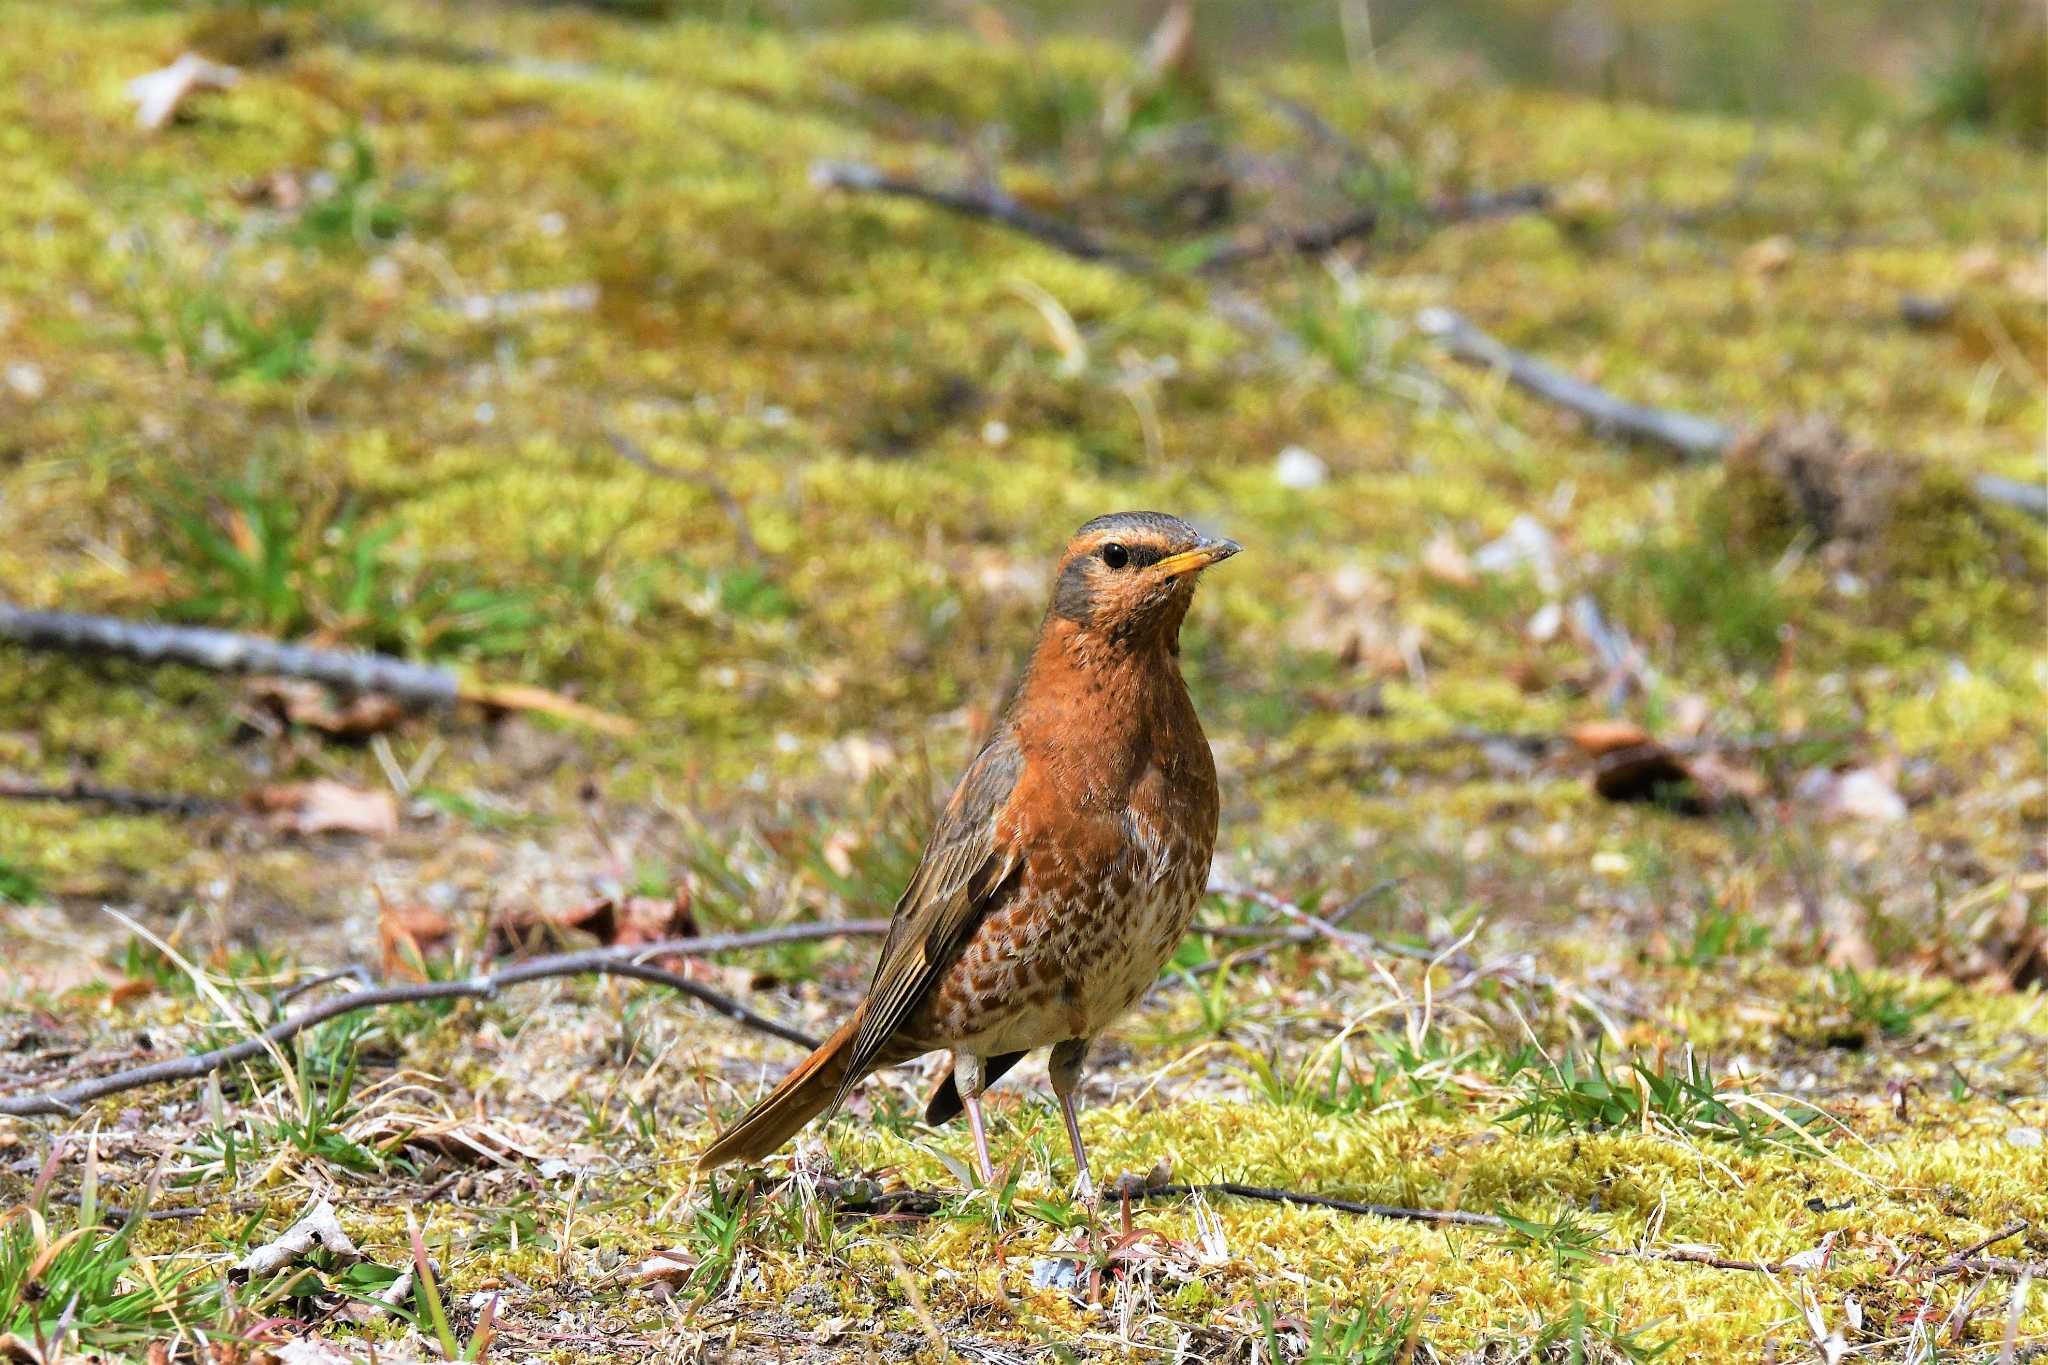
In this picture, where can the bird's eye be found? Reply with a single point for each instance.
(1115, 555)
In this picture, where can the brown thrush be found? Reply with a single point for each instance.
(1066, 865)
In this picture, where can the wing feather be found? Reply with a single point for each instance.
(965, 865)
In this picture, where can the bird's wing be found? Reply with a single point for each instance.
(964, 867)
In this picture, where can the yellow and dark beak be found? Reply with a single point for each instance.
(1193, 561)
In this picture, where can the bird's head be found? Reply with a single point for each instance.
(1129, 576)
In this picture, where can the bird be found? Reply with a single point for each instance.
(1063, 869)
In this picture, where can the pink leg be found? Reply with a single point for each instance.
(1065, 1070)
(972, 1103)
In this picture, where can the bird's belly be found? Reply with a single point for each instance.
(1046, 968)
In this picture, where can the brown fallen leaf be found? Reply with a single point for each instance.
(632, 919)
(159, 94)
(324, 806)
(129, 988)
(309, 704)
(1597, 737)
(671, 1268)
(1629, 764)
(1445, 560)
(406, 933)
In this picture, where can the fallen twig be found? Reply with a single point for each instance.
(866, 1196)
(114, 1213)
(1314, 240)
(1691, 1257)
(1683, 433)
(1278, 935)
(227, 651)
(1962, 1261)
(1993, 1265)
(118, 798)
(994, 206)
(735, 513)
(1448, 1217)
(1694, 437)
(1136, 1189)
(989, 206)
(224, 651)
(626, 960)
(1316, 925)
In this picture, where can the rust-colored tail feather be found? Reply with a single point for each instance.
(800, 1097)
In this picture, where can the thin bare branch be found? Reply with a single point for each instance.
(1683, 433)
(117, 798)
(1994, 1265)
(624, 960)
(227, 651)
(1316, 924)
(1694, 437)
(2012, 1229)
(735, 511)
(988, 206)
(1446, 1217)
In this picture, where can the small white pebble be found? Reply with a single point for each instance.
(552, 224)
(1610, 864)
(26, 379)
(2023, 1137)
(486, 413)
(1300, 468)
(995, 432)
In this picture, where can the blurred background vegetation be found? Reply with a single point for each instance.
(1975, 63)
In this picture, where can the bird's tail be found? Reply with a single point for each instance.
(800, 1097)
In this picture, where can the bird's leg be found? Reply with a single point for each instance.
(1064, 1068)
(970, 1078)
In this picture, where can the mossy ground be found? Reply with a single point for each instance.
(360, 287)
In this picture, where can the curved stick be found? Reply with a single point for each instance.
(624, 960)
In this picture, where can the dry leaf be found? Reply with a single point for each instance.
(635, 919)
(309, 704)
(158, 94)
(317, 1228)
(1981, 262)
(838, 852)
(1527, 543)
(407, 932)
(1856, 794)
(1629, 764)
(1769, 256)
(129, 988)
(324, 806)
(1597, 737)
(665, 1267)
(1446, 562)
(15, 1351)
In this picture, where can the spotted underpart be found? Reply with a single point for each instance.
(1113, 818)
(1074, 946)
